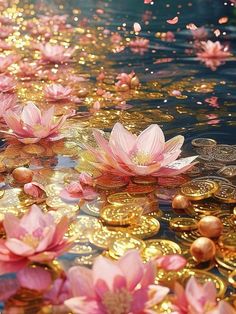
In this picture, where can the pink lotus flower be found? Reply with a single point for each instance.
(129, 80)
(56, 92)
(173, 262)
(33, 238)
(7, 101)
(213, 54)
(34, 189)
(5, 62)
(125, 286)
(7, 84)
(5, 31)
(139, 45)
(28, 70)
(147, 154)
(75, 191)
(59, 292)
(199, 299)
(200, 33)
(56, 53)
(32, 125)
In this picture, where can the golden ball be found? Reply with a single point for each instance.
(203, 249)
(180, 202)
(22, 175)
(210, 227)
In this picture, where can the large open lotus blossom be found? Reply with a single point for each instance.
(198, 299)
(127, 81)
(147, 154)
(7, 101)
(32, 124)
(36, 237)
(213, 54)
(5, 62)
(7, 84)
(56, 53)
(57, 92)
(121, 287)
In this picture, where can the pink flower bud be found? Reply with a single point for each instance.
(74, 187)
(85, 178)
(34, 189)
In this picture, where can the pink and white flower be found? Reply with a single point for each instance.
(75, 191)
(147, 154)
(56, 92)
(123, 286)
(7, 101)
(36, 237)
(139, 45)
(5, 62)
(34, 189)
(32, 124)
(129, 80)
(56, 53)
(198, 299)
(7, 84)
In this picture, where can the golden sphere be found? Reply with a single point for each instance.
(210, 227)
(22, 175)
(203, 249)
(180, 202)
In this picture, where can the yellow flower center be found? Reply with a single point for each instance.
(30, 240)
(141, 158)
(118, 302)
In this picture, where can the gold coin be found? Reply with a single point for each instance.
(85, 260)
(172, 182)
(224, 153)
(14, 199)
(192, 263)
(183, 224)
(167, 247)
(216, 179)
(145, 180)
(55, 202)
(203, 142)
(232, 278)
(226, 193)
(203, 276)
(33, 149)
(136, 189)
(82, 249)
(187, 238)
(151, 251)
(199, 189)
(124, 198)
(203, 209)
(110, 182)
(53, 189)
(103, 237)
(226, 259)
(82, 227)
(228, 241)
(228, 171)
(93, 208)
(119, 247)
(146, 228)
(121, 214)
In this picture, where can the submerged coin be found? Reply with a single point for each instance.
(167, 247)
(226, 259)
(183, 224)
(121, 214)
(103, 237)
(226, 193)
(124, 198)
(224, 153)
(136, 189)
(216, 179)
(199, 189)
(203, 142)
(203, 209)
(33, 149)
(145, 180)
(110, 182)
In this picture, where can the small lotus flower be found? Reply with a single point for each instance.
(32, 125)
(56, 53)
(127, 81)
(5, 62)
(34, 189)
(200, 33)
(28, 70)
(139, 45)
(36, 237)
(5, 31)
(59, 292)
(199, 299)
(147, 154)
(213, 54)
(173, 262)
(75, 191)
(56, 92)
(7, 101)
(7, 84)
(123, 286)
